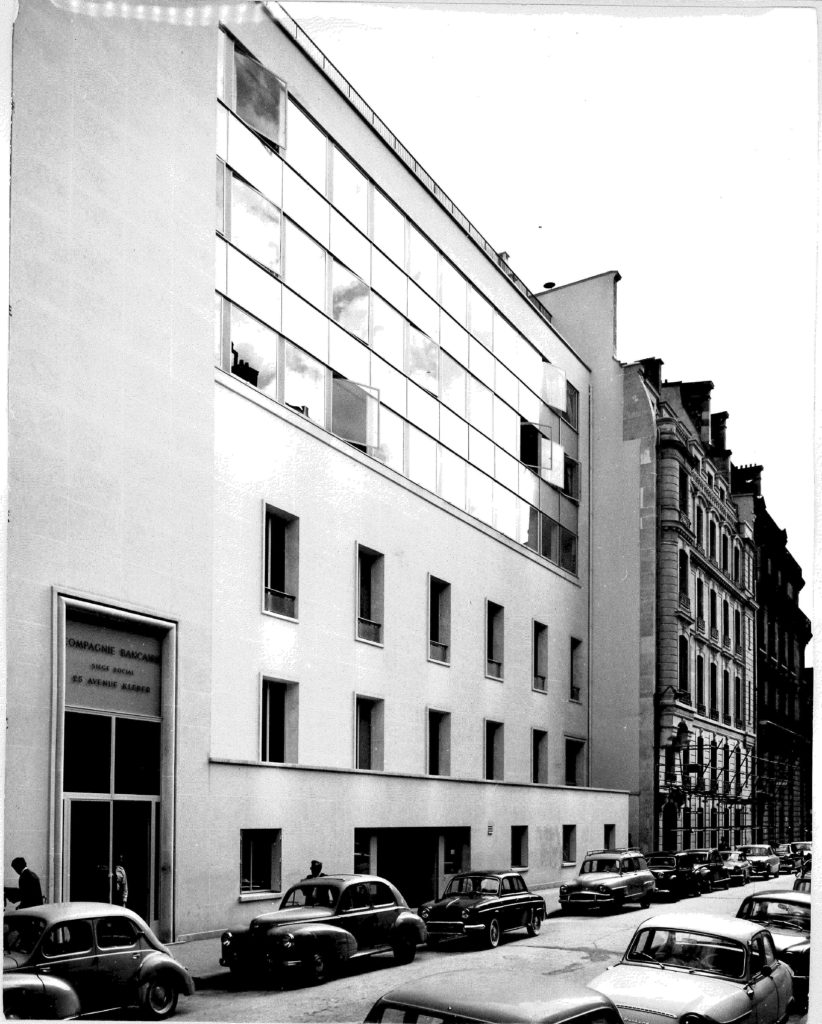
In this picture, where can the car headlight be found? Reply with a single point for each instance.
(466, 914)
(424, 912)
(226, 938)
(287, 940)
(602, 888)
(563, 888)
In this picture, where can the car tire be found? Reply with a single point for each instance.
(319, 967)
(534, 923)
(492, 933)
(158, 997)
(405, 949)
(645, 900)
(619, 900)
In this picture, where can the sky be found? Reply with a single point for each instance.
(676, 144)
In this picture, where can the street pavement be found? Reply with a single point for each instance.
(569, 946)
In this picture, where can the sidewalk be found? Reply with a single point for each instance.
(201, 957)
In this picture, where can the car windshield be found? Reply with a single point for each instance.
(661, 862)
(473, 885)
(322, 894)
(699, 856)
(731, 855)
(755, 851)
(779, 913)
(599, 865)
(21, 934)
(692, 951)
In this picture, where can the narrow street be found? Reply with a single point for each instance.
(581, 946)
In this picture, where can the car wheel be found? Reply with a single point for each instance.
(159, 997)
(619, 901)
(534, 923)
(319, 967)
(405, 949)
(645, 900)
(492, 933)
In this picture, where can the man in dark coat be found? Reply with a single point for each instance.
(31, 895)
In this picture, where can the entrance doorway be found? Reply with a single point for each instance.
(416, 860)
(99, 835)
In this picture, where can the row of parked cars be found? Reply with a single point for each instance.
(72, 959)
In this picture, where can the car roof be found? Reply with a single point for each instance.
(490, 872)
(787, 895)
(51, 912)
(498, 995)
(703, 849)
(713, 924)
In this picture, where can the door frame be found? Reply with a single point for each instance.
(118, 617)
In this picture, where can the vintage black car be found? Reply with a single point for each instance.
(787, 916)
(609, 878)
(321, 923)
(495, 996)
(483, 904)
(711, 869)
(737, 866)
(674, 874)
(107, 956)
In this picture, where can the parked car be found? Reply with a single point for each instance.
(674, 874)
(106, 957)
(762, 859)
(802, 852)
(787, 916)
(493, 997)
(787, 859)
(609, 878)
(697, 968)
(322, 923)
(802, 883)
(711, 869)
(737, 866)
(483, 904)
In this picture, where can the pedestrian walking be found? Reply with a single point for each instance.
(31, 894)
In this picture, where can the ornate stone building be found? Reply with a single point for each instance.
(782, 793)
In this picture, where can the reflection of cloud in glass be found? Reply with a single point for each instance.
(253, 352)
(255, 224)
(349, 302)
(421, 360)
(304, 387)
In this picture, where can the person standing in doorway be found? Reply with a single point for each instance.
(316, 870)
(31, 894)
(120, 894)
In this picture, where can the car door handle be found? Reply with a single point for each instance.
(45, 969)
(135, 956)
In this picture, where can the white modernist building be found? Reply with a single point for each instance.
(299, 491)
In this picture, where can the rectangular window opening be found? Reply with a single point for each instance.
(439, 620)
(439, 743)
(494, 750)
(519, 846)
(369, 734)
(370, 571)
(539, 756)
(278, 739)
(260, 860)
(569, 844)
(282, 539)
(494, 637)
(540, 655)
(574, 766)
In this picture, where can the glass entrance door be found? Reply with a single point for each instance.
(102, 834)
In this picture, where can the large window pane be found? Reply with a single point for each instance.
(505, 512)
(453, 383)
(422, 458)
(506, 384)
(392, 440)
(350, 246)
(423, 409)
(305, 265)
(453, 291)
(481, 451)
(253, 351)
(421, 359)
(349, 189)
(137, 757)
(306, 149)
(349, 301)
(506, 427)
(453, 338)
(305, 324)
(524, 360)
(390, 383)
(259, 97)
(305, 206)
(304, 384)
(389, 281)
(83, 773)
(480, 406)
(253, 288)
(528, 520)
(506, 469)
(480, 318)
(354, 413)
(451, 478)
(255, 224)
(481, 363)
(422, 261)
(479, 495)
(387, 331)
(389, 228)
(253, 160)
(423, 311)
(454, 432)
(349, 357)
